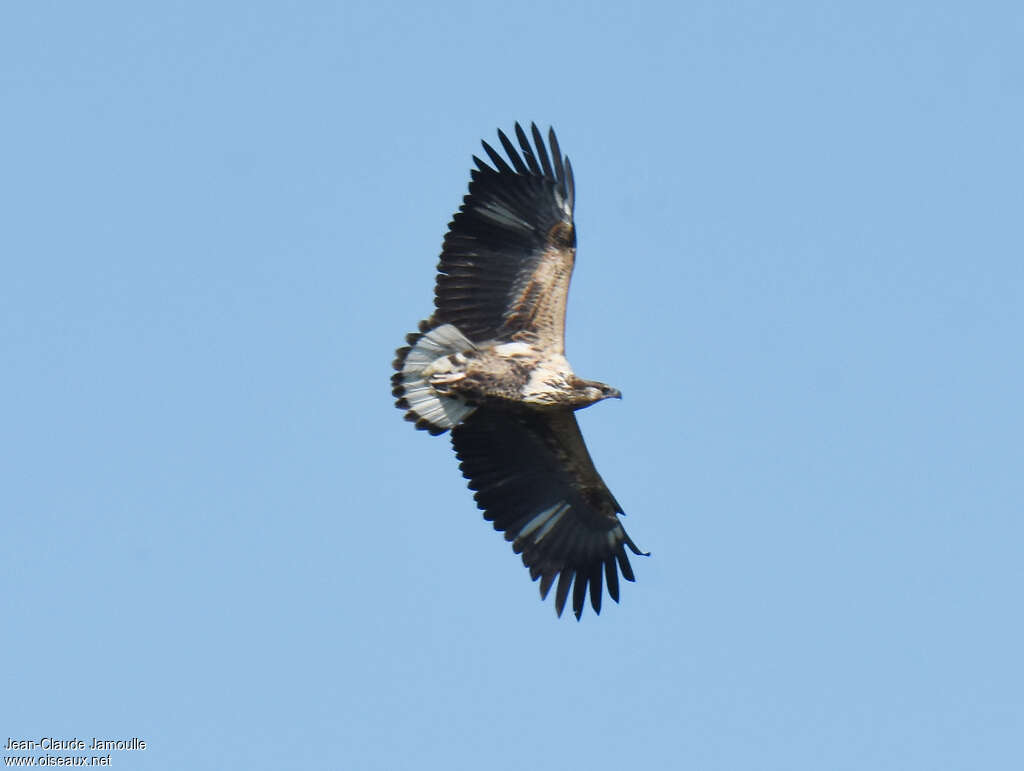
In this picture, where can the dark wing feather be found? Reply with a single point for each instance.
(535, 481)
(508, 256)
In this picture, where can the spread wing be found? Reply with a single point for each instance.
(535, 481)
(509, 251)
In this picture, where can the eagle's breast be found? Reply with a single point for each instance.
(548, 383)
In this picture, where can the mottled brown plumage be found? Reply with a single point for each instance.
(489, 365)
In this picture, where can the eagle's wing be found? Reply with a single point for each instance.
(508, 254)
(535, 481)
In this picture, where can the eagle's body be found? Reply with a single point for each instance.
(507, 374)
(490, 366)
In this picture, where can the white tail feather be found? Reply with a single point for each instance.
(439, 413)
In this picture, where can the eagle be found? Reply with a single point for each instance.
(489, 366)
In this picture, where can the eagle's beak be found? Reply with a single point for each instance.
(614, 393)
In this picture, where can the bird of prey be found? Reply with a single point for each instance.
(489, 365)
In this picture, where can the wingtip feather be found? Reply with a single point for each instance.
(564, 582)
(579, 594)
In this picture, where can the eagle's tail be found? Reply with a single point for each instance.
(424, 406)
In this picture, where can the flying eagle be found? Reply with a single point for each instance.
(490, 366)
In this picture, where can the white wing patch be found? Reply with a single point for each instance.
(497, 212)
(511, 350)
(614, 536)
(545, 520)
(562, 204)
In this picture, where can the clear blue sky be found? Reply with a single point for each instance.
(801, 258)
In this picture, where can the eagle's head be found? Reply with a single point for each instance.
(588, 392)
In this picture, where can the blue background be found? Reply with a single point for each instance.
(800, 258)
